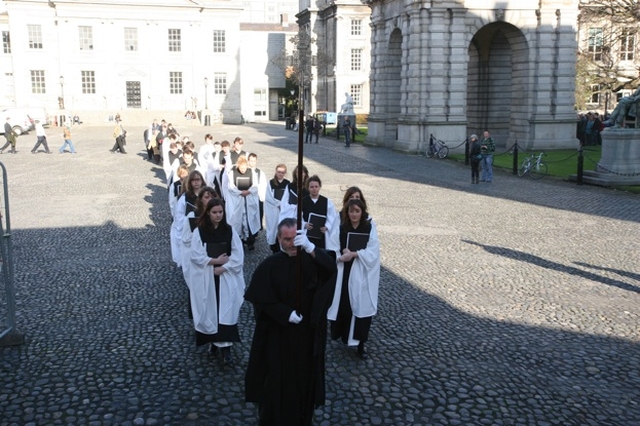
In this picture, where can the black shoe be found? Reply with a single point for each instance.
(226, 355)
(362, 354)
(213, 349)
(33, 152)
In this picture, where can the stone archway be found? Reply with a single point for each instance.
(497, 94)
(393, 89)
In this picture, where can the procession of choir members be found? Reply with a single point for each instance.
(219, 201)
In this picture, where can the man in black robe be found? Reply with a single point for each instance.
(285, 375)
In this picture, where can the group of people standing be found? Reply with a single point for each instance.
(481, 157)
(219, 201)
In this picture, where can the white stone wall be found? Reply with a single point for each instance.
(470, 65)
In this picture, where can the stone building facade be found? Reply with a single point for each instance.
(455, 67)
(94, 59)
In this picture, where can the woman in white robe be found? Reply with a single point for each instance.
(273, 197)
(186, 203)
(243, 204)
(217, 280)
(355, 299)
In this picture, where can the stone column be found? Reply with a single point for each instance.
(377, 117)
(552, 122)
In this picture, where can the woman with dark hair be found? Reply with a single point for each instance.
(243, 202)
(186, 203)
(320, 218)
(289, 203)
(217, 280)
(355, 300)
(355, 193)
(475, 157)
(275, 192)
(204, 196)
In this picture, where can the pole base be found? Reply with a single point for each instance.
(12, 338)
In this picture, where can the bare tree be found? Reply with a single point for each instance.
(607, 57)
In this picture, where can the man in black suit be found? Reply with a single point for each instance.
(10, 136)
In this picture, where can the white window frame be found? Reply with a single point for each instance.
(6, 42)
(85, 37)
(356, 94)
(38, 82)
(628, 44)
(35, 36)
(595, 42)
(219, 41)
(130, 39)
(356, 27)
(174, 38)
(219, 83)
(175, 82)
(88, 79)
(356, 60)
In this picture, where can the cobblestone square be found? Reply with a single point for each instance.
(510, 303)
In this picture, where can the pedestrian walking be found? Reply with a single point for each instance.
(10, 137)
(346, 129)
(120, 135)
(285, 375)
(66, 134)
(41, 139)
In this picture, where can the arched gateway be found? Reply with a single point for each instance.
(449, 68)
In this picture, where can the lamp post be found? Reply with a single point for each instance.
(61, 100)
(206, 100)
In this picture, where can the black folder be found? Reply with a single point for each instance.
(357, 241)
(318, 221)
(216, 249)
(278, 193)
(243, 183)
(193, 223)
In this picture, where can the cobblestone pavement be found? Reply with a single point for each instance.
(510, 303)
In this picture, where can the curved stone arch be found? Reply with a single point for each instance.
(498, 83)
(393, 89)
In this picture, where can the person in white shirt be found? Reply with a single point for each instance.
(42, 139)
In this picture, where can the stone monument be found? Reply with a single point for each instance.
(620, 160)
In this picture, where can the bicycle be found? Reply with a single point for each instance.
(534, 166)
(437, 147)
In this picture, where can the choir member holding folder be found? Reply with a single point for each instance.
(243, 203)
(320, 217)
(186, 203)
(217, 280)
(355, 299)
(273, 197)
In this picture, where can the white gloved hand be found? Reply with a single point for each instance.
(301, 240)
(295, 318)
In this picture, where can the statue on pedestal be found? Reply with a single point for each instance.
(347, 106)
(626, 106)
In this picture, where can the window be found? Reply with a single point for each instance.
(175, 42)
(175, 82)
(356, 94)
(595, 43)
(260, 95)
(220, 83)
(88, 81)
(85, 37)
(131, 39)
(627, 44)
(6, 42)
(219, 41)
(356, 59)
(35, 36)
(37, 81)
(595, 94)
(356, 27)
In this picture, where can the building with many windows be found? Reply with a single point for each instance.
(86, 57)
(608, 65)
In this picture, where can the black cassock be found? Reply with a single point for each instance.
(286, 367)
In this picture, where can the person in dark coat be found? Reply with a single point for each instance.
(475, 157)
(285, 375)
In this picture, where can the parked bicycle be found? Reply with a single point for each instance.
(437, 147)
(534, 166)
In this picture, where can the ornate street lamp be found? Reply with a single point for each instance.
(206, 100)
(61, 100)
